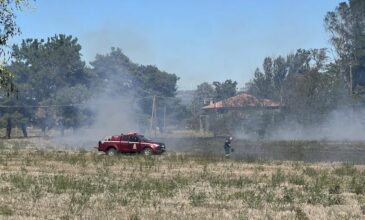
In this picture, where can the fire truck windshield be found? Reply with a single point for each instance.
(143, 138)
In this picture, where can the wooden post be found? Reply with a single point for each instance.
(164, 118)
(153, 114)
(351, 81)
(201, 124)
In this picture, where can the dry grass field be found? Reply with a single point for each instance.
(45, 183)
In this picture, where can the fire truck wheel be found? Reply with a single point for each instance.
(147, 151)
(111, 152)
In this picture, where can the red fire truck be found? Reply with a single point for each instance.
(130, 143)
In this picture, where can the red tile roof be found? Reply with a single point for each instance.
(243, 100)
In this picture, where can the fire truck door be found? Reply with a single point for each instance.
(124, 144)
(133, 143)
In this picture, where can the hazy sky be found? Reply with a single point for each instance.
(199, 41)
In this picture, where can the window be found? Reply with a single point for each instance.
(133, 139)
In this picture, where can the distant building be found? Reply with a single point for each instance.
(247, 112)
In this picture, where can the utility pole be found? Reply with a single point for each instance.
(201, 124)
(351, 81)
(194, 111)
(153, 115)
(164, 118)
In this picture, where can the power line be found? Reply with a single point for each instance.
(39, 106)
(77, 104)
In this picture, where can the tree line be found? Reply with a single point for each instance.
(52, 82)
(46, 82)
(310, 83)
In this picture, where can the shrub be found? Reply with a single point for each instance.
(345, 170)
(197, 198)
(277, 178)
(6, 210)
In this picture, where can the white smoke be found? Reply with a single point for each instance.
(341, 124)
(114, 109)
(112, 116)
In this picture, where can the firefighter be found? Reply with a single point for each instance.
(227, 147)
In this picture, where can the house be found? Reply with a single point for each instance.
(249, 112)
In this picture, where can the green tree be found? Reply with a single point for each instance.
(114, 73)
(280, 71)
(72, 116)
(304, 82)
(49, 73)
(225, 89)
(150, 81)
(269, 84)
(299, 62)
(119, 77)
(262, 85)
(309, 97)
(257, 86)
(150, 78)
(346, 27)
(8, 29)
(203, 94)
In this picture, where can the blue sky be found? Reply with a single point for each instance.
(200, 41)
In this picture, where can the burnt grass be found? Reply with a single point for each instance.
(293, 150)
(54, 183)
